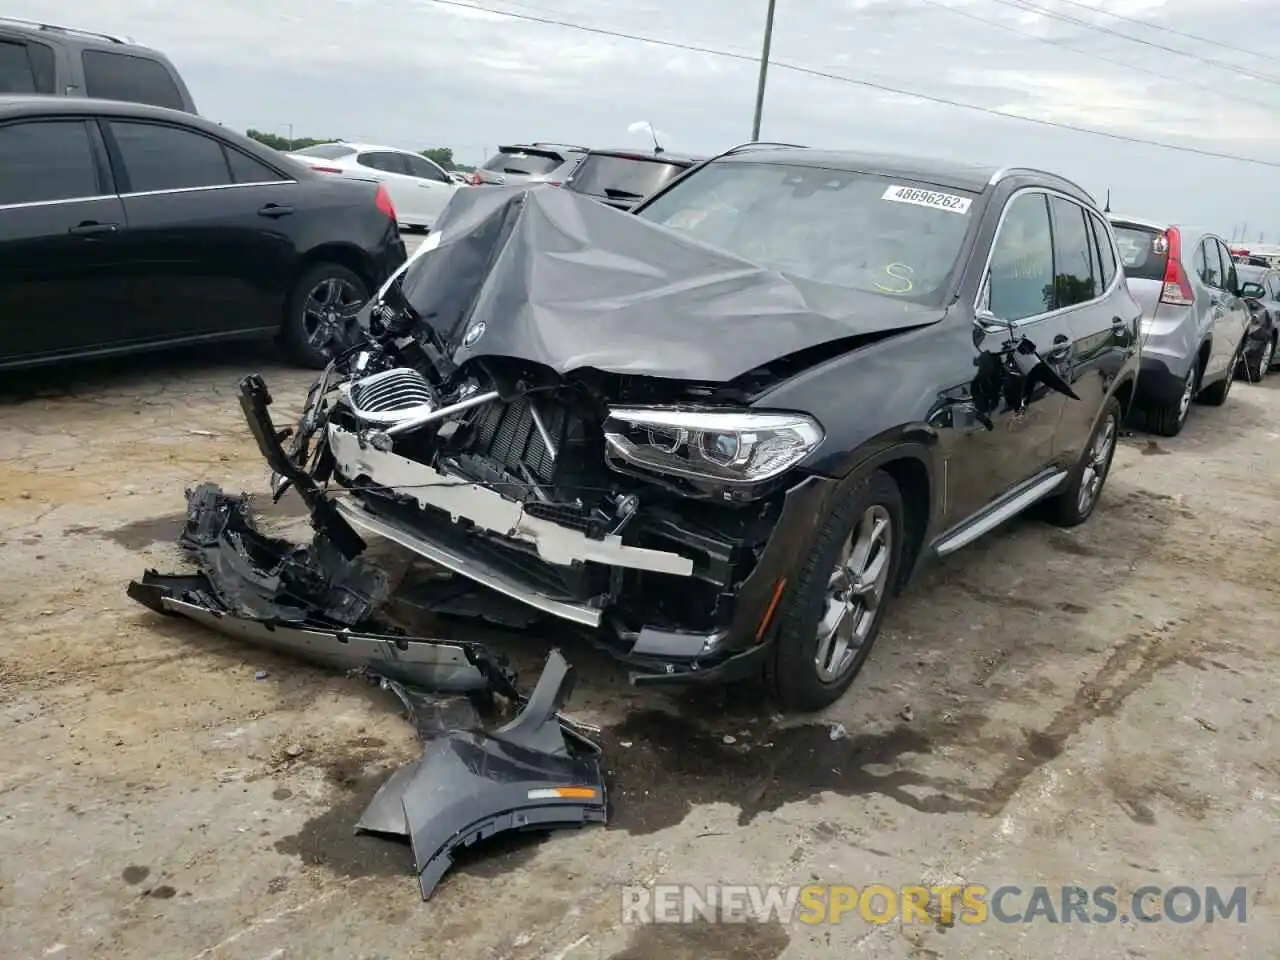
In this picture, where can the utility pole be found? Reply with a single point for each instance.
(764, 71)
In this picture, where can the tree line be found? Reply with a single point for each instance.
(441, 155)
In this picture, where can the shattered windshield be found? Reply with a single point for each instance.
(841, 227)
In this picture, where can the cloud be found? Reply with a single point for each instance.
(418, 72)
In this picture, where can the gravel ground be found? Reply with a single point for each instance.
(1086, 707)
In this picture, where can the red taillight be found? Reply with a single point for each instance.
(382, 200)
(555, 183)
(327, 169)
(1177, 287)
(475, 180)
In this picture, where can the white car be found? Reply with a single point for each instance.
(419, 187)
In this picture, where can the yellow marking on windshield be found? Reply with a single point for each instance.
(901, 277)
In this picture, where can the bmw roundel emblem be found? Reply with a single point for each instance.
(474, 334)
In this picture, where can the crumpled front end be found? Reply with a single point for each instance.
(659, 527)
(554, 401)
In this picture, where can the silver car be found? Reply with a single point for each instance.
(1193, 319)
(530, 163)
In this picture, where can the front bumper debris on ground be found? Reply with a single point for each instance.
(539, 771)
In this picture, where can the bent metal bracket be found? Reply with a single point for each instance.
(539, 771)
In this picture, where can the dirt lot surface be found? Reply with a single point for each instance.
(1088, 707)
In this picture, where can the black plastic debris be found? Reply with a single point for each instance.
(306, 601)
(539, 771)
(535, 773)
(268, 577)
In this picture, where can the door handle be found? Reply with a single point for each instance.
(274, 210)
(92, 228)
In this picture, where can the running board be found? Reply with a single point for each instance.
(1033, 491)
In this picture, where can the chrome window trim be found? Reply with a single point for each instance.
(991, 249)
(142, 193)
(206, 189)
(1009, 171)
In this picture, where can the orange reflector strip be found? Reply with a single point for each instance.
(769, 611)
(576, 793)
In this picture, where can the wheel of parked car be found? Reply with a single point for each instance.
(1260, 364)
(1169, 419)
(1074, 505)
(1215, 395)
(836, 603)
(323, 298)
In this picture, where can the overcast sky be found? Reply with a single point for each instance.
(416, 73)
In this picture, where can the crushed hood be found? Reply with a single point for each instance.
(547, 275)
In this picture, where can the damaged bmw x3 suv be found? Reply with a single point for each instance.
(722, 430)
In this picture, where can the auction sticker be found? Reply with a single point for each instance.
(928, 198)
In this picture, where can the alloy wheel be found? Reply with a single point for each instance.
(855, 590)
(1188, 395)
(1096, 466)
(329, 304)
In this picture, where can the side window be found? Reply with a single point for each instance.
(245, 169)
(421, 167)
(1021, 279)
(121, 76)
(1106, 253)
(1273, 286)
(1073, 255)
(166, 158)
(386, 162)
(26, 67)
(46, 160)
(1207, 265)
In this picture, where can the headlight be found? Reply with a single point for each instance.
(737, 448)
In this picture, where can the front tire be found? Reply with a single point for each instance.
(834, 607)
(322, 300)
(1261, 363)
(1074, 505)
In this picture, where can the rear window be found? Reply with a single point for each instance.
(1144, 251)
(326, 151)
(522, 164)
(122, 76)
(845, 228)
(623, 178)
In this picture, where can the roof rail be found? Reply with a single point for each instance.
(739, 148)
(74, 31)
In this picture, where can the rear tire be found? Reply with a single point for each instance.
(1074, 505)
(1169, 419)
(859, 544)
(322, 298)
(1215, 395)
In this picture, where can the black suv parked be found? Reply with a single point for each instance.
(124, 226)
(622, 178)
(48, 59)
(724, 444)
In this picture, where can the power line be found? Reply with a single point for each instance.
(1177, 33)
(1098, 28)
(1128, 65)
(868, 84)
